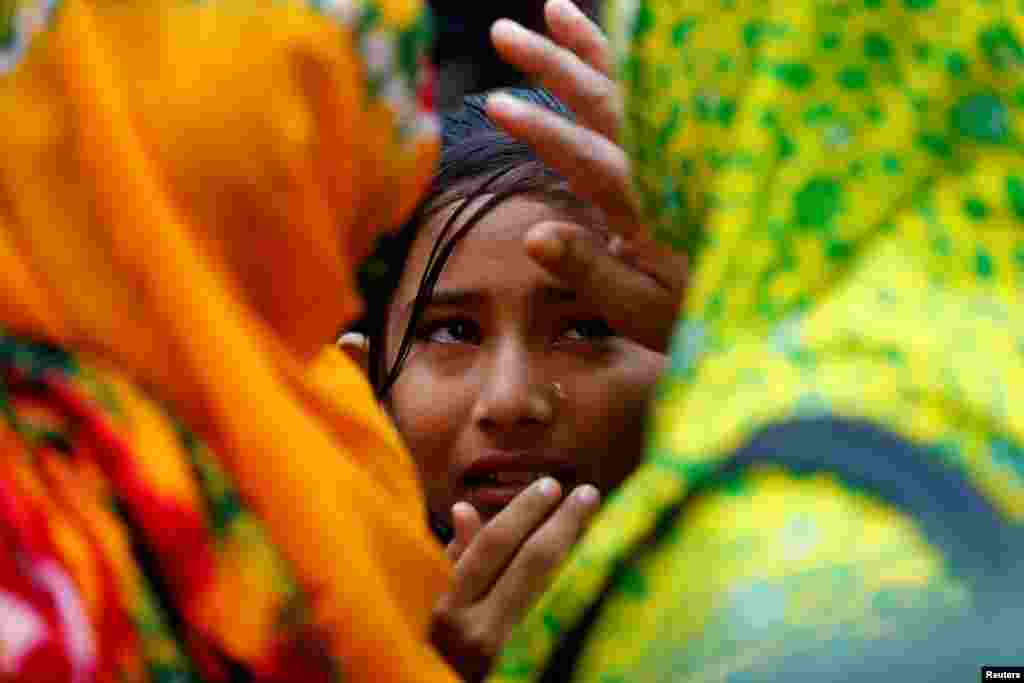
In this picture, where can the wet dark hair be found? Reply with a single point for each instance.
(477, 160)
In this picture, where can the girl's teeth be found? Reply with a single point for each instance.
(517, 477)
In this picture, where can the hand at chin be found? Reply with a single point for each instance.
(502, 567)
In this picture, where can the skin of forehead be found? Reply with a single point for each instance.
(504, 222)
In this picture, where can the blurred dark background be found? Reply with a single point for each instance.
(467, 62)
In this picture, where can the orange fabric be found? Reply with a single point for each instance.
(185, 191)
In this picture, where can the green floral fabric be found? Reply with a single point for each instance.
(848, 177)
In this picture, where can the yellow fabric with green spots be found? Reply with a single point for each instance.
(848, 177)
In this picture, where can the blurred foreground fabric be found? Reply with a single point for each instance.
(185, 192)
(848, 178)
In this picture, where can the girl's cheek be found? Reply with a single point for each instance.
(604, 406)
(428, 419)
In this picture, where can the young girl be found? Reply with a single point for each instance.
(503, 379)
(516, 328)
(515, 337)
(496, 372)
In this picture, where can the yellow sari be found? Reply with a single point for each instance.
(185, 190)
(849, 179)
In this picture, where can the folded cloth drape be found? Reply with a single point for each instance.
(849, 180)
(185, 191)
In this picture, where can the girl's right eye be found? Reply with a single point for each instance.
(449, 331)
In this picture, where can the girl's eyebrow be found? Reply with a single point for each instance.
(557, 295)
(448, 297)
(472, 297)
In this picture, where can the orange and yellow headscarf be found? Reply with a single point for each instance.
(185, 190)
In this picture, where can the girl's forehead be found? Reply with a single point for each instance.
(491, 256)
(505, 223)
(492, 253)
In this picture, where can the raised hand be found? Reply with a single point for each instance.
(501, 568)
(637, 282)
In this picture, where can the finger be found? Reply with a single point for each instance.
(466, 521)
(496, 544)
(357, 347)
(606, 281)
(597, 170)
(575, 31)
(590, 94)
(531, 570)
(667, 266)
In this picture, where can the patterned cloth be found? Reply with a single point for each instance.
(190, 490)
(106, 485)
(848, 176)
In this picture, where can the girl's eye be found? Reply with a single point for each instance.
(450, 331)
(591, 330)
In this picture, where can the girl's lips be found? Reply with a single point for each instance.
(489, 499)
(494, 479)
(503, 478)
(520, 464)
(490, 494)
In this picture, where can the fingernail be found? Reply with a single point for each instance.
(543, 243)
(506, 29)
(461, 506)
(564, 7)
(502, 25)
(548, 487)
(509, 104)
(354, 340)
(587, 495)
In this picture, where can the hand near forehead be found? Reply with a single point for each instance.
(501, 568)
(637, 282)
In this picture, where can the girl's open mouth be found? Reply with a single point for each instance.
(491, 490)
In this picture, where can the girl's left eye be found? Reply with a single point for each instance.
(593, 329)
(451, 331)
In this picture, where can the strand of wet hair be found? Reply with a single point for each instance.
(439, 254)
